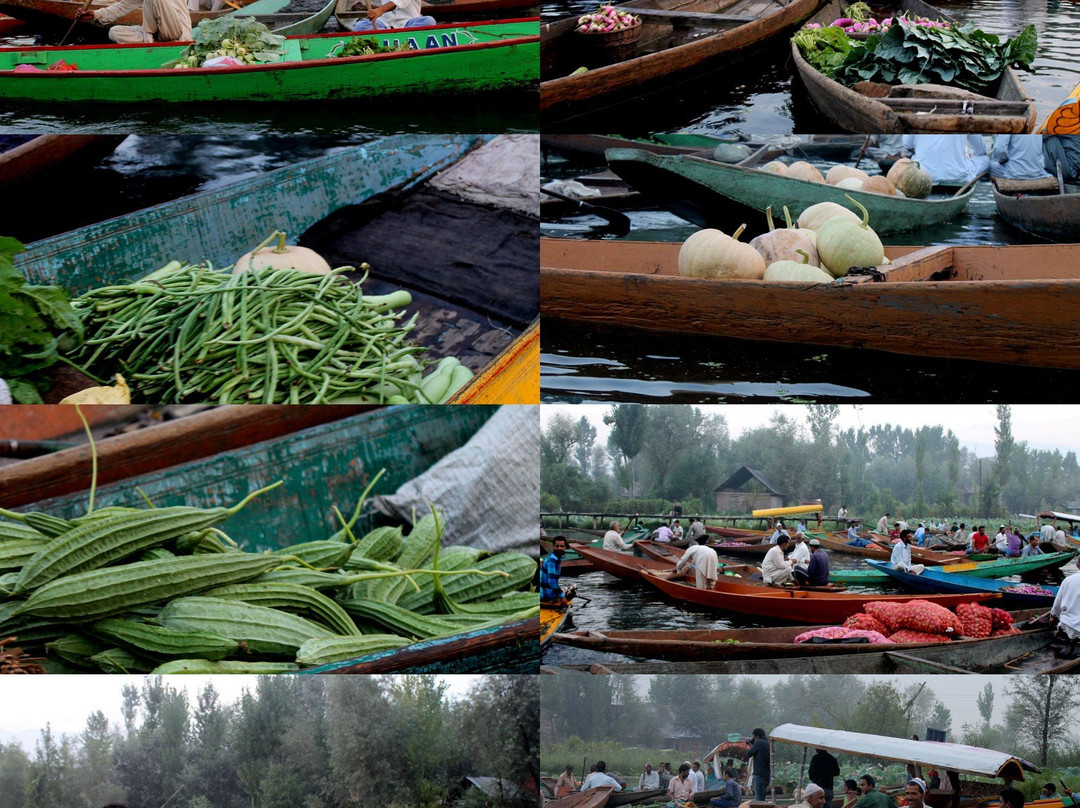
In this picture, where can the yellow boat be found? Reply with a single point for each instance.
(792, 510)
(552, 618)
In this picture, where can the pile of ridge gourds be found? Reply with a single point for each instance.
(828, 241)
(163, 590)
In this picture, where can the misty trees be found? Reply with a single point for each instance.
(1042, 713)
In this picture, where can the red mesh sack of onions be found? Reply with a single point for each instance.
(1001, 618)
(978, 620)
(841, 633)
(885, 612)
(1001, 632)
(866, 622)
(909, 635)
(922, 615)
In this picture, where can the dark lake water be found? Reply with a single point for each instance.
(757, 95)
(615, 604)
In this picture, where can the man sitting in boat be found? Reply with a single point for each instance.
(1018, 157)
(663, 534)
(949, 159)
(163, 21)
(882, 524)
(566, 784)
(599, 778)
(979, 542)
(1032, 548)
(705, 564)
(696, 529)
(392, 14)
(853, 537)
(676, 531)
(649, 779)
(915, 793)
(732, 795)
(1015, 542)
(816, 573)
(800, 552)
(1063, 149)
(613, 540)
(901, 553)
(1066, 607)
(779, 531)
(775, 569)
(813, 797)
(871, 797)
(550, 570)
(681, 789)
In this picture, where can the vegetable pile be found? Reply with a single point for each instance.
(190, 332)
(37, 324)
(244, 39)
(606, 20)
(860, 21)
(368, 47)
(914, 51)
(164, 590)
(887, 622)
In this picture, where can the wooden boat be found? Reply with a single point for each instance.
(693, 645)
(677, 37)
(627, 797)
(932, 580)
(325, 455)
(272, 14)
(928, 557)
(52, 153)
(9, 25)
(572, 564)
(442, 59)
(446, 10)
(1050, 215)
(59, 14)
(629, 567)
(593, 798)
(592, 147)
(984, 292)
(914, 108)
(791, 605)
(465, 312)
(670, 555)
(998, 568)
(713, 194)
(552, 619)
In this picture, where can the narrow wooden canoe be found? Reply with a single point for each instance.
(442, 59)
(627, 797)
(52, 152)
(935, 581)
(1051, 216)
(998, 568)
(712, 194)
(670, 555)
(677, 37)
(927, 557)
(272, 14)
(791, 605)
(593, 798)
(387, 175)
(915, 109)
(691, 645)
(446, 10)
(622, 565)
(552, 619)
(592, 147)
(984, 293)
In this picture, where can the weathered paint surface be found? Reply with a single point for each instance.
(322, 467)
(513, 378)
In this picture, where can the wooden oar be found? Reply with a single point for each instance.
(862, 151)
(964, 189)
(619, 221)
(1060, 179)
(74, 22)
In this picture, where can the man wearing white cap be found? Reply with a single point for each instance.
(915, 792)
(813, 797)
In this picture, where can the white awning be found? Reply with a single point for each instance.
(947, 756)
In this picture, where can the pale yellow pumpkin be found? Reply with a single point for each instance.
(816, 215)
(898, 168)
(879, 185)
(837, 173)
(775, 167)
(804, 171)
(712, 254)
(843, 244)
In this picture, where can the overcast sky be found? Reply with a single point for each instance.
(65, 701)
(1042, 426)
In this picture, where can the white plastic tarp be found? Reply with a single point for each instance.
(971, 760)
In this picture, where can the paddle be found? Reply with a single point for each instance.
(74, 22)
(753, 157)
(969, 185)
(862, 151)
(1060, 179)
(619, 221)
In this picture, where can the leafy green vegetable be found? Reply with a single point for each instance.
(240, 37)
(367, 47)
(825, 48)
(961, 56)
(33, 319)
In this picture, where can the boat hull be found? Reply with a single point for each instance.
(1053, 218)
(712, 194)
(998, 568)
(976, 289)
(501, 56)
(935, 581)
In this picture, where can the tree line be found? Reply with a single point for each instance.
(657, 454)
(290, 742)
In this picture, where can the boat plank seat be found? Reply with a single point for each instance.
(1011, 186)
(718, 20)
(955, 106)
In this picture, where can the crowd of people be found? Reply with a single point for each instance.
(959, 159)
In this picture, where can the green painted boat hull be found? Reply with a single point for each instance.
(224, 223)
(444, 59)
(712, 194)
(999, 568)
(269, 13)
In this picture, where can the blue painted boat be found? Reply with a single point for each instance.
(937, 582)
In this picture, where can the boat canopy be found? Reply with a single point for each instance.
(1068, 517)
(971, 760)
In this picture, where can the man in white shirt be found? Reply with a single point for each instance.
(775, 569)
(1001, 541)
(842, 513)
(1066, 606)
(649, 779)
(698, 775)
(613, 540)
(1048, 532)
(676, 531)
(393, 14)
(920, 533)
(705, 564)
(600, 777)
(800, 553)
(901, 552)
(1059, 537)
(162, 21)
(780, 530)
(883, 525)
(663, 534)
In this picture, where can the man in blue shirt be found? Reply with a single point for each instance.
(732, 795)
(550, 570)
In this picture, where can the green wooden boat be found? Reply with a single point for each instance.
(998, 568)
(442, 59)
(712, 194)
(271, 14)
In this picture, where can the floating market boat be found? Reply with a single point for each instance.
(984, 292)
(552, 619)
(929, 557)
(691, 645)
(468, 260)
(444, 10)
(1048, 212)
(998, 568)
(1013, 595)
(273, 14)
(442, 59)
(676, 37)
(592, 798)
(912, 109)
(629, 567)
(51, 153)
(628, 797)
(792, 605)
(713, 194)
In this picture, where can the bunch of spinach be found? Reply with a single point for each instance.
(825, 48)
(36, 322)
(961, 56)
(243, 35)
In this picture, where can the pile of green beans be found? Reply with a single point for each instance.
(189, 332)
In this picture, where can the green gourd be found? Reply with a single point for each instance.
(843, 243)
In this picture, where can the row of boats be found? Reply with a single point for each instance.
(950, 578)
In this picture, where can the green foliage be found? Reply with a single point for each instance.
(824, 48)
(960, 56)
(239, 37)
(368, 47)
(36, 323)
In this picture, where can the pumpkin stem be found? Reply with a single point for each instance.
(865, 213)
(738, 232)
(280, 248)
(805, 256)
(787, 216)
(768, 218)
(277, 234)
